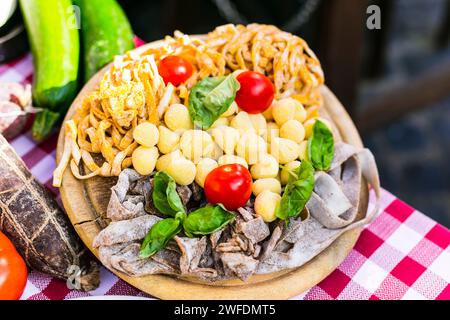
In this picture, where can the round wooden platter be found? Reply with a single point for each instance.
(86, 201)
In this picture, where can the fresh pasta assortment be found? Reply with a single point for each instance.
(226, 167)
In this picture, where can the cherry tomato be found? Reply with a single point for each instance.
(174, 69)
(230, 185)
(256, 92)
(13, 271)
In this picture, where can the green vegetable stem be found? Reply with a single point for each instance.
(210, 98)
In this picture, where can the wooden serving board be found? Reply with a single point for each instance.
(86, 202)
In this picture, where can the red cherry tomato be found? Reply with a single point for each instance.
(13, 271)
(256, 92)
(174, 69)
(230, 185)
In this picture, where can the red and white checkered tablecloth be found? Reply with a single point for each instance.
(402, 254)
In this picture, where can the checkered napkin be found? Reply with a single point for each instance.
(402, 254)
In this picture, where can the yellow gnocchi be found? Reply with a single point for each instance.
(204, 167)
(300, 113)
(168, 140)
(146, 134)
(284, 110)
(177, 118)
(270, 184)
(250, 147)
(259, 123)
(293, 130)
(303, 150)
(272, 131)
(230, 159)
(265, 205)
(284, 150)
(182, 170)
(266, 167)
(164, 161)
(144, 159)
(226, 138)
(195, 144)
(242, 122)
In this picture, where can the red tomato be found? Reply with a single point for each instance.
(13, 271)
(174, 69)
(256, 92)
(230, 185)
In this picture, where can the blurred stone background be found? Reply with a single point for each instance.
(413, 151)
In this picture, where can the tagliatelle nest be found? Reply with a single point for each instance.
(132, 91)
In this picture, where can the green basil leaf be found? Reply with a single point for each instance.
(159, 235)
(210, 98)
(207, 220)
(321, 146)
(165, 195)
(297, 191)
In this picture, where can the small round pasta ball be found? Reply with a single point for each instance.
(300, 113)
(177, 118)
(232, 109)
(293, 130)
(146, 134)
(284, 110)
(303, 150)
(288, 168)
(220, 122)
(259, 123)
(144, 159)
(270, 184)
(163, 162)
(242, 122)
(268, 114)
(230, 159)
(284, 150)
(168, 140)
(204, 167)
(272, 131)
(265, 205)
(182, 170)
(226, 138)
(309, 125)
(195, 144)
(266, 167)
(250, 147)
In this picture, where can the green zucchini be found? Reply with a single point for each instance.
(105, 32)
(53, 35)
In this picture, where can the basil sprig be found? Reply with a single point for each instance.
(200, 222)
(159, 235)
(165, 195)
(210, 98)
(321, 147)
(207, 220)
(297, 192)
